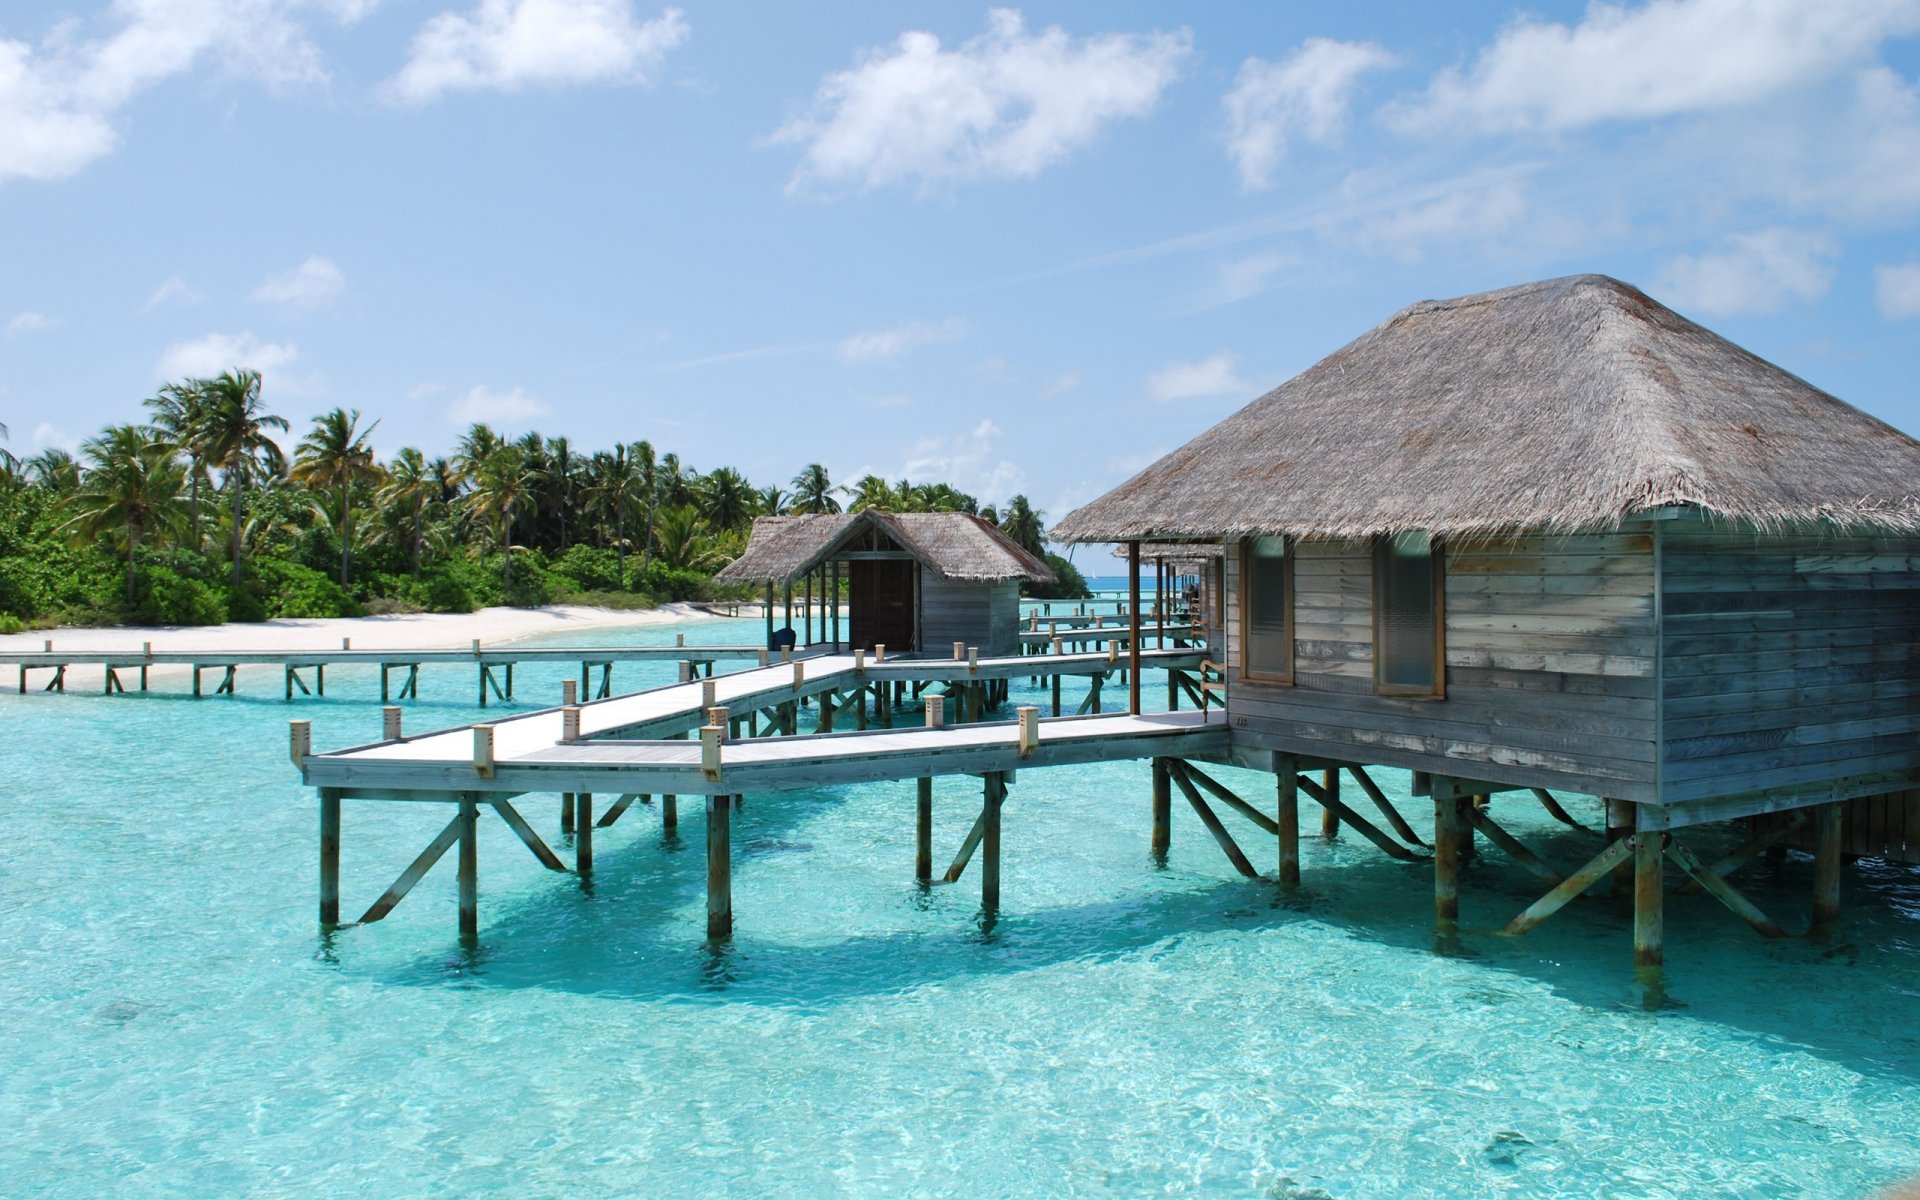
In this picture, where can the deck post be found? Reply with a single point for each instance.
(1133, 632)
(469, 868)
(1446, 855)
(1162, 810)
(923, 832)
(583, 839)
(994, 792)
(1620, 824)
(1826, 868)
(1649, 894)
(329, 858)
(1288, 780)
(1329, 819)
(719, 868)
(566, 812)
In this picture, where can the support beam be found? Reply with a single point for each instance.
(669, 814)
(1133, 634)
(618, 807)
(1387, 810)
(583, 834)
(719, 868)
(1515, 848)
(1598, 866)
(1212, 822)
(1740, 855)
(967, 846)
(1724, 892)
(994, 793)
(415, 871)
(1226, 796)
(1361, 825)
(1288, 824)
(329, 858)
(1329, 816)
(1555, 811)
(1826, 868)
(566, 812)
(1162, 808)
(923, 831)
(1649, 897)
(518, 824)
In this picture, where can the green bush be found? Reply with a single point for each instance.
(293, 590)
(1070, 584)
(162, 596)
(10, 623)
(673, 583)
(588, 569)
(243, 605)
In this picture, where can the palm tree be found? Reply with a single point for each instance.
(335, 454)
(131, 488)
(771, 501)
(813, 491)
(179, 413)
(871, 491)
(53, 471)
(1021, 523)
(683, 543)
(725, 499)
(235, 432)
(648, 468)
(409, 488)
(616, 481)
(503, 485)
(563, 470)
(8, 462)
(475, 445)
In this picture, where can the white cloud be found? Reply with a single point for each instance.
(1897, 288)
(506, 45)
(1061, 385)
(28, 322)
(175, 288)
(502, 408)
(314, 282)
(1241, 279)
(1661, 59)
(876, 344)
(1306, 93)
(1007, 103)
(217, 352)
(970, 461)
(57, 102)
(46, 435)
(1466, 211)
(1757, 273)
(1206, 377)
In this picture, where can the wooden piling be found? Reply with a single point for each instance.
(1162, 809)
(719, 868)
(994, 792)
(566, 812)
(669, 813)
(469, 868)
(923, 831)
(329, 858)
(1288, 782)
(583, 837)
(1133, 632)
(1649, 895)
(1329, 819)
(1826, 867)
(1446, 858)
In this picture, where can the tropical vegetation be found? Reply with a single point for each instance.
(198, 515)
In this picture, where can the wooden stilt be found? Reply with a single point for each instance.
(923, 831)
(1620, 824)
(566, 812)
(669, 813)
(1288, 824)
(1446, 860)
(329, 858)
(1649, 894)
(719, 868)
(583, 836)
(1329, 818)
(469, 868)
(1162, 810)
(994, 793)
(1826, 867)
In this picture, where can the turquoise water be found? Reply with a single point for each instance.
(173, 1025)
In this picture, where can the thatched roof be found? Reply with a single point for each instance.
(951, 545)
(1562, 405)
(1179, 552)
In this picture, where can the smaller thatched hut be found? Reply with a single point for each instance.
(913, 581)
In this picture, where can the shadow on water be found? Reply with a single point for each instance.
(635, 932)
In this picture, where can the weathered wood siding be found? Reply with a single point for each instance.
(1550, 667)
(1790, 661)
(986, 615)
(1875, 827)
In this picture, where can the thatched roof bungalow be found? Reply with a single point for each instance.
(915, 581)
(1558, 535)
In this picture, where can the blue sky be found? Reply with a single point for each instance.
(1020, 249)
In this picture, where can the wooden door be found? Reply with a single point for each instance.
(880, 603)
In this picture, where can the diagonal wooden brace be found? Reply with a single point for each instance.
(1723, 891)
(1212, 822)
(1225, 796)
(1387, 810)
(1572, 887)
(1737, 857)
(518, 824)
(414, 873)
(1364, 827)
(1515, 848)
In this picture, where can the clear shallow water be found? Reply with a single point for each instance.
(171, 1024)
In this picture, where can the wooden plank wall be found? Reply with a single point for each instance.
(1789, 660)
(1876, 827)
(986, 615)
(1550, 666)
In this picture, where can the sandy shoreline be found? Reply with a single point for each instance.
(413, 631)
